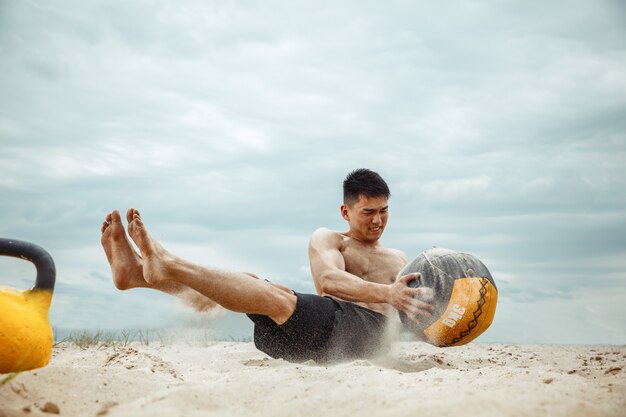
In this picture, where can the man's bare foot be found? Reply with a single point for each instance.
(154, 256)
(126, 264)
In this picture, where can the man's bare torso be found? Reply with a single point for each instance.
(374, 264)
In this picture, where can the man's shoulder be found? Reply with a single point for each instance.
(325, 231)
(326, 236)
(399, 253)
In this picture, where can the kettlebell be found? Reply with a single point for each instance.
(25, 332)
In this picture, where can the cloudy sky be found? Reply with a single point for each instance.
(499, 126)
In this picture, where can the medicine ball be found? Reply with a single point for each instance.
(463, 293)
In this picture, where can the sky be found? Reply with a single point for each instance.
(500, 128)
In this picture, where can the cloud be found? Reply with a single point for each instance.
(587, 316)
(499, 128)
(457, 188)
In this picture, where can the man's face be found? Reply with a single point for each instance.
(367, 217)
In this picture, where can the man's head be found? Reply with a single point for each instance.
(365, 196)
(363, 182)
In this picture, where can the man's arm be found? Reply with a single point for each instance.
(329, 271)
(331, 278)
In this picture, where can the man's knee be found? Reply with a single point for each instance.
(285, 303)
(282, 287)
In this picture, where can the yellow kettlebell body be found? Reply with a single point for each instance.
(25, 332)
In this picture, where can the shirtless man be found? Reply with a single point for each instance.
(354, 275)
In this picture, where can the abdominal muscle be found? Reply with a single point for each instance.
(379, 265)
(381, 308)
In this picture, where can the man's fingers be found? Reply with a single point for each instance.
(421, 305)
(418, 312)
(413, 311)
(413, 306)
(409, 277)
(414, 318)
(422, 293)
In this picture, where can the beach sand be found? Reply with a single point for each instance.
(415, 379)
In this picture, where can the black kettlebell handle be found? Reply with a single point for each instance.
(46, 272)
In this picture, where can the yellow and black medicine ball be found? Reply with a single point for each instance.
(463, 293)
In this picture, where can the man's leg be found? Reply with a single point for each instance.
(235, 291)
(127, 265)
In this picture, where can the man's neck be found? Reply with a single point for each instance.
(372, 244)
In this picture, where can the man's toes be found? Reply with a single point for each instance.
(139, 235)
(107, 222)
(136, 226)
(132, 214)
(115, 217)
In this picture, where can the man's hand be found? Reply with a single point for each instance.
(405, 298)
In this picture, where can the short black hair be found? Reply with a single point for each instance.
(365, 182)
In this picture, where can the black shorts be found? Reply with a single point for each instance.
(322, 329)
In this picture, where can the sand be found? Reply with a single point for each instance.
(415, 379)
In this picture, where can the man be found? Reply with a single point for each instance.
(354, 275)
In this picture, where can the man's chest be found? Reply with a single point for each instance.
(379, 266)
